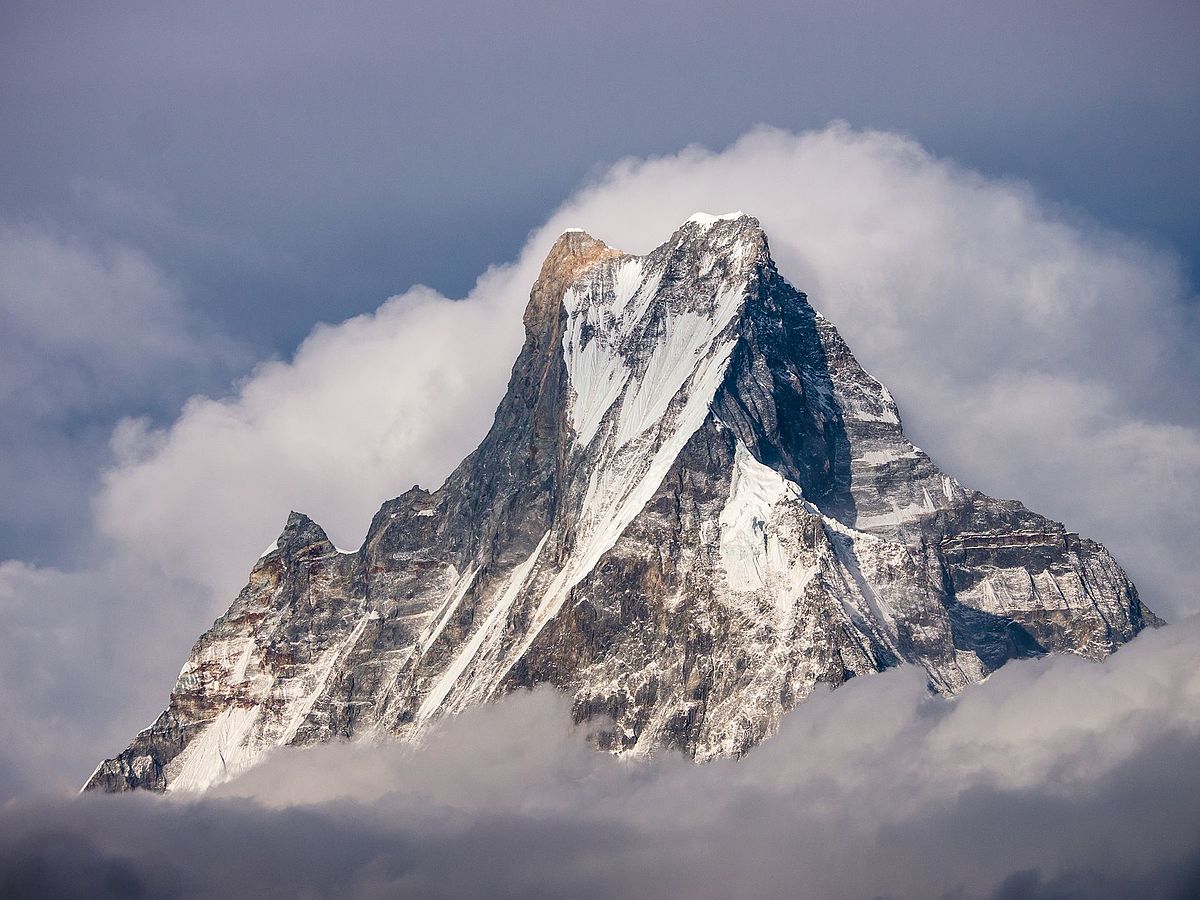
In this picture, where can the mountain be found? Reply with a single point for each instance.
(693, 508)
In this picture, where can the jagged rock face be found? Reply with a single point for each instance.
(693, 507)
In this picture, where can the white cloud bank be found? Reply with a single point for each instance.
(1032, 355)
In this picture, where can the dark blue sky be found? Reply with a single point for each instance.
(287, 165)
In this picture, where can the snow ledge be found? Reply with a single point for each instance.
(706, 219)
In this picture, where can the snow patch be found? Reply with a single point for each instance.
(849, 546)
(882, 457)
(626, 280)
(498, 613)
(219, 752)
(899, 514)
(748, 549)
(948, 486)
(970, 665)
(596, 327)
(859, 411)
(706, 219)
(239, 670)
(684, 340)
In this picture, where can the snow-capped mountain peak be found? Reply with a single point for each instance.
(693, 507)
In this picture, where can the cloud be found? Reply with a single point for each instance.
(1056, 778)
(87, 659)
(363, 411)
(86, 335)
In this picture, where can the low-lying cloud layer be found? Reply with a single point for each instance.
(1057, 778)
(1033, 355)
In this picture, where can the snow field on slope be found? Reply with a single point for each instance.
(748, 549)
(219, 753)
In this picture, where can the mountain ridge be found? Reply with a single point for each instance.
(693, 506)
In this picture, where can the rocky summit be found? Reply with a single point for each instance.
(693, 508)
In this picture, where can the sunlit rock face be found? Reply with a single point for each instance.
(693, 507)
